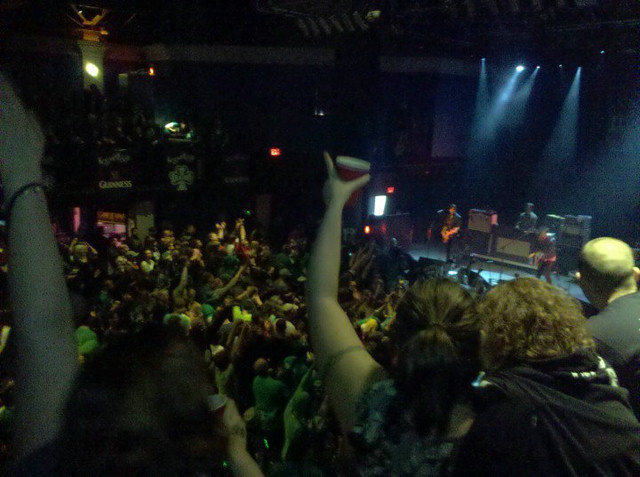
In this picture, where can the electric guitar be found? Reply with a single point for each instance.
(535, 258)
(446, 233)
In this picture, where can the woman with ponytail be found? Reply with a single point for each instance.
(406, 420)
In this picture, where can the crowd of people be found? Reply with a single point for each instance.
(243, 306)
(187, 352)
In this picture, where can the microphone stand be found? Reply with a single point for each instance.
(477, 282)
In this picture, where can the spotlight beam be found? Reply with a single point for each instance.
(482, 99)
(563, 144)
(496, 113)
(521, 99)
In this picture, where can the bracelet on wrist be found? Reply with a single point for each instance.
(30, 188)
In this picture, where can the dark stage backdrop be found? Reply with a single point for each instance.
(421, 124)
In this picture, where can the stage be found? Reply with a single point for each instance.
(492, 271)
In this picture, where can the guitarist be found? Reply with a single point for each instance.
(544, 254)
(528, 219)
(449, 223)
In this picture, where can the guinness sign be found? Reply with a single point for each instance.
(115, 184)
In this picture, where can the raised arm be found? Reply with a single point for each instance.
(231, 283)
(241, 231)
(346, 366)
(38, 294)
(182, 284)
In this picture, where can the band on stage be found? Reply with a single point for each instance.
(446, 226)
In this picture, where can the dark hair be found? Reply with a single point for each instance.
(139, 407)
(261, 367)
(438, 339)
(281, 326)
(221, 359)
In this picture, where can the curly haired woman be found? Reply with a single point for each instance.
(552, 406)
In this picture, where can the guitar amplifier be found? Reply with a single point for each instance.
(555, 223)
(482, 220)
(568, 258)
(478, 242)
(514, 249)
(577, 229)
(571, 240)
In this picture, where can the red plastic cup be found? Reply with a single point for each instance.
(350, 168)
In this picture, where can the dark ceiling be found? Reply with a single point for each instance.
(542, 29)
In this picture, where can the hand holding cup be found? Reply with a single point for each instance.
(344, 179)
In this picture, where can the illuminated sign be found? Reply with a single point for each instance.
(114, 217)
(115, 184)
(181, 177)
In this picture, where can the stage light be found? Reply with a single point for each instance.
(538, 67)
(560, 66)
(152, 71)
(373, 15)
(367, 230)
(516, 112)
(508, 90)
(519, 68)
(391, 190)
(483, 59)
(274, 151)
(92, 70)
(379, 203)
(602, 52)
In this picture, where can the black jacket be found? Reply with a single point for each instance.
(555, 417)
(616, 330)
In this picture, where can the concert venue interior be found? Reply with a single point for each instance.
(163, 115)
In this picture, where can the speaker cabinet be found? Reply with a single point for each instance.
(478, 242)
(482, 220)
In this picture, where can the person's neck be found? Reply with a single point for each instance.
(620, 293)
